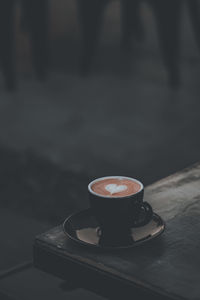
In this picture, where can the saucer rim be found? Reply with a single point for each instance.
(137, 243)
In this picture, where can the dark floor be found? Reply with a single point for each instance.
(57, 135)
(116, 122)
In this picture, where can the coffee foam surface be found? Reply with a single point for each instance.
(115, 187)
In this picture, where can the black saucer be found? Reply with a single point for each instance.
(83, 228)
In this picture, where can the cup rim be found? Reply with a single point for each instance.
(111, 177)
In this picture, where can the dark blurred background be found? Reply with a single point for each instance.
(88, 88)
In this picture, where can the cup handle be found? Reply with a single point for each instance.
(145, 215)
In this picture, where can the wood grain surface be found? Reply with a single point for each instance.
(168, 266)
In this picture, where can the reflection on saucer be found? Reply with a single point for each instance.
(87, 235)
(82, 227)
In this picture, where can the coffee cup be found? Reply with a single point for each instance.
(117, 204)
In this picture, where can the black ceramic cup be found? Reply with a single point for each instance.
(117, 215)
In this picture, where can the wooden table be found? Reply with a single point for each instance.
(165, 268)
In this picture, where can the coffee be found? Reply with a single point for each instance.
(116, 202)
(116, 186)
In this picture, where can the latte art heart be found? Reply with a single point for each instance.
(114, 188)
